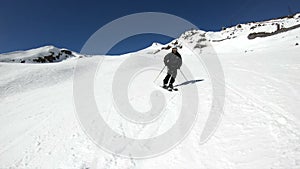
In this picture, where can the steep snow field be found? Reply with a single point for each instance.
(260, 126)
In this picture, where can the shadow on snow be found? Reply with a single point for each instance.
(189, 82)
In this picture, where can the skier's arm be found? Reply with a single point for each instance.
(167, 59)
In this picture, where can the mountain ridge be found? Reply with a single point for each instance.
(251, 30)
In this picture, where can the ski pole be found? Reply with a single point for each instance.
(183, 75)
(159, 74)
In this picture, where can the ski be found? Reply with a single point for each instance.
(169, 89)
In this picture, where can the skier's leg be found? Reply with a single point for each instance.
(171, 82)
(166, 80)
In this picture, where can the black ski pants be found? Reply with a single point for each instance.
(167, 78)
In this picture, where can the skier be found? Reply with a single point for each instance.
(173, 62)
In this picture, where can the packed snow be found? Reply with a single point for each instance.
(259, 128)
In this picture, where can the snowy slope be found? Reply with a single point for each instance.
(260, 126)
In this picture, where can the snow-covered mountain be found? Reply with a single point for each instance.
(46, 54)
(259, 128)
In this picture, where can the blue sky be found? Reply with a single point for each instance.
(26, 24)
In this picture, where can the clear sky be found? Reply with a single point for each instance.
(26, 24)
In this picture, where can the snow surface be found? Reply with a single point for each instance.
(260, 126)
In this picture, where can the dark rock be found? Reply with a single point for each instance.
(50, 58)
(175, 43)
(199, 46)
(40, 60)
(166, 48)
(266, 34)
(66, 52)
